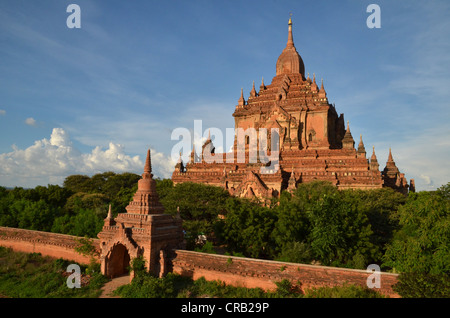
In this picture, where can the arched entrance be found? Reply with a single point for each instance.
(118, 261)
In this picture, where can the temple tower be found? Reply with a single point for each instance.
(143, 230)
(392, 176)
(305, 128)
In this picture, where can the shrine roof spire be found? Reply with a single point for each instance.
(290, 41)
(390, 158)
(148, 166)
(290, 62)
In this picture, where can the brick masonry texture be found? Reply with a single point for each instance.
(236, 271)
(250, 273)
(48, 244)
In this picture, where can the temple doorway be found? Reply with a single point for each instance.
(119, 261)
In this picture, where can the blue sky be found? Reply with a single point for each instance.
(95, 99)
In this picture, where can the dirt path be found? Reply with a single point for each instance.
(113, 284)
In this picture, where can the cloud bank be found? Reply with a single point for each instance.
(50, 161)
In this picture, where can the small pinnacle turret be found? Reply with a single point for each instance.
(348, 142)
(373, 161)
(361, 148)
(241, 101)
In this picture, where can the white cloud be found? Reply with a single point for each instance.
(50, 161)
(426, 179)
(2, 112)
(30, 121)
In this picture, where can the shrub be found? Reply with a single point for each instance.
(422, 285)
(346, 291)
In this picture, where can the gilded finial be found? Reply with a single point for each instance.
(290, 18)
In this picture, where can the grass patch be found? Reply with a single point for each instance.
(31, 275)
(346, 291)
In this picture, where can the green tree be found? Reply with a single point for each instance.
(423, 285)
(94, 201)
(36, 216)
(380, 206)
(293, 224)
(78, 183)
(422, 243)
(163, 187)
(199, 206)
(248, 228)
(296, 252)
(86, 223)
(340, 234)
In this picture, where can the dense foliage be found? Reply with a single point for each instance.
(77, 208)
(315, 224)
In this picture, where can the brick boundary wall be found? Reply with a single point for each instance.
(232, 270)
(247, 272)
(48, 244)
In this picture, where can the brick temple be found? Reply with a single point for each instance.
(314, 142)
(144, 229)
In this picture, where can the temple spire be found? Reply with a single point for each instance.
(322, 93)
(391, 167)
(253, 91)
(109, 221)
(314, 86)
(145, 199)
(290, 62)
(374, 166)
(241, 101)
(390, 158)
(361, 148)
(347, 141)
(148, 165)
(290, 41)
(262, 87)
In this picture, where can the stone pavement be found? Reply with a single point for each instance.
(113, 284)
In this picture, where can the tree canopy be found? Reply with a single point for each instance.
(317, 223)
